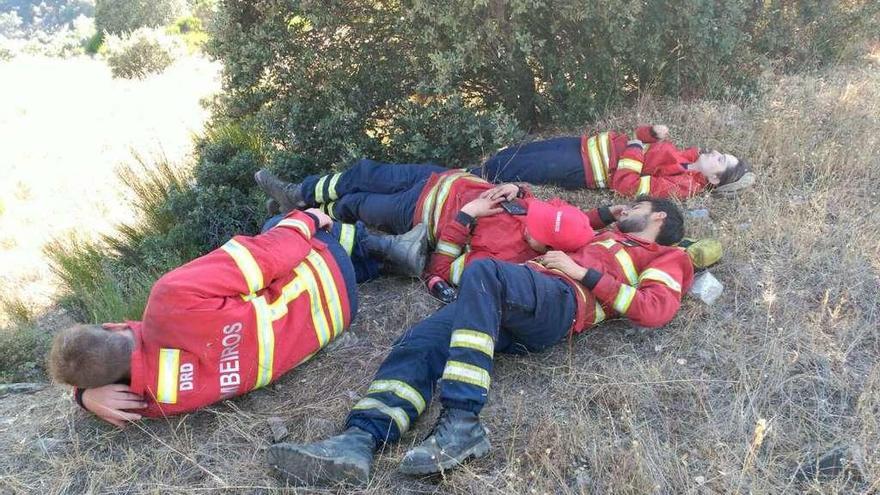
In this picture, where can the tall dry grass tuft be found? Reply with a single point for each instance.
(792, 344)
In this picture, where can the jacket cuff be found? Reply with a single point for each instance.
(591, 278)
(465, 219)
(314, 220)
(78, 396)
(605, 215)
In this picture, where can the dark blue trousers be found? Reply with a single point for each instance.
(345, 240)
(552, 161)
(382, 195)
(501, 307)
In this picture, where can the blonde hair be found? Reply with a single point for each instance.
(88, 356)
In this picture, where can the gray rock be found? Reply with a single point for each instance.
(836, 462)
(279, 431)
(344, 341)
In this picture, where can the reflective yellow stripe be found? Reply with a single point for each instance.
(449, 249)
(296, 224)
(428, 207)
(600, 314)
(331, 293)
(471, 339)
(596, 162)
(319, 189)
(253, 276)
(333, 181)
(629, 269)
(630, 164)
(456, 269)
(169, 370)
(319, 321)
(607, 243)
(400, 389)
(291, 291)
(328, 208)
(265, 342)
(346, 237)
(397, 414)
(442, 195)
(662, 277)
(466, 373)
(624, 298)
(604, 145)
(645, 149)
(644, 185)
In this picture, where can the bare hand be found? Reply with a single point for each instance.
(504, 191)
(110, 403)
(324, 221)
(617, 210)
(661, 131)
(482, 207)
(558, 260)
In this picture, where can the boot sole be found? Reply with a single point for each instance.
(306, 469)
(475, 451)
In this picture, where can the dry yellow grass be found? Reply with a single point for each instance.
(726, 399)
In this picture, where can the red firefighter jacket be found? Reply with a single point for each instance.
(498, 236)
(640, 280)
(659, 169)
(237, 318)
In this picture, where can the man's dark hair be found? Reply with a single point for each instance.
(734, 173)
(672, 230)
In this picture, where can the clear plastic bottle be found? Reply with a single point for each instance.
(707, 288)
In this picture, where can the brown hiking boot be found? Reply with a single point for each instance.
(287, 194)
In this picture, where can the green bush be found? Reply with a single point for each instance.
(23, 356)
(140, 53)
(94, 44)
(326, 79)
(125, 16)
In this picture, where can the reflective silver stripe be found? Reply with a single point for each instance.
(596, 162)
(630, 164)
(662, 277)
(599, 314)
(442, 195)
(456, 269)
(624, 298)
(397, 414)
(607, 243)
(346, 237)
(471, 339)
(169, 369)
(319, 189)
(331, 292)
(332, 189)
(319, 320)
(401, 389)
(265, 342)
(466, 373)
(449, 249)
(629, 269)
(644, 185)
(296, 224)
(246, 263)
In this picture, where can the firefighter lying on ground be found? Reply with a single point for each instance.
(462, 212)
(647, 165)
(231, 321)
(629, 271)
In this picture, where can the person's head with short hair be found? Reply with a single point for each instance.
(88, 356)
(654, 219)
(720, 168)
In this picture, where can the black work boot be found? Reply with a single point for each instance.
(288, 195)
(342, 459)
(457, 437)
(404, 254)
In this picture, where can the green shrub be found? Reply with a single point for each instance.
(94, 44)
(326, 80)
(140, 53)
(125, 16)
(24, 354)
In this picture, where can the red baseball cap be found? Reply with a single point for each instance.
(558, 224)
